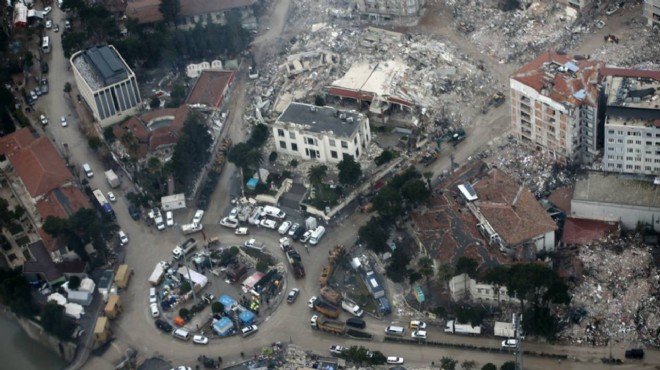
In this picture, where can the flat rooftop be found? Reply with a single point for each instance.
(101, 66)
(633, 97)
(618, 189)
(321, 119)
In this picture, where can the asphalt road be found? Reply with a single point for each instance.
(135, 328)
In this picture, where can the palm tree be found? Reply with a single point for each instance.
(254, 158)
(317, 174)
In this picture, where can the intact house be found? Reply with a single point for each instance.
(39, 181)
(195, 12)
(462, 287)
(322, 134)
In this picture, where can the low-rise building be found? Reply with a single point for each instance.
(463, 287)
(194, 12)
(322, 134)
(652, 12)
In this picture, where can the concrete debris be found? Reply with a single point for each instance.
(617, 297)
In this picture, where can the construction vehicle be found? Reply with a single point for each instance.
(458, 136)
(157, 274)
(335, 254)
(326, 271)
(123, 275)
(326, 309)
(331, 326)
(611, 38)
(331, 295)
(295, 261)
(429, 157)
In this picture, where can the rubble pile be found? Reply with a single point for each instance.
(514, 36)
(541, 173)
(634, 51)
(617, 297)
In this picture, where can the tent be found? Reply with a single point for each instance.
(247, 317)
(252, 183)
(223, 326)
(196, 277)
(58, 298)
(227, 301)
(87, 285)
(74, 310)
(252, 280)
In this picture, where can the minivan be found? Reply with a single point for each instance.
(316, 236)
(181, 334)
(88, 170)
(395, 330)
(274, 212)
(635, 353)
(356, 323)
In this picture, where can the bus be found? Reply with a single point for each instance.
(100, 198)
(45, 44)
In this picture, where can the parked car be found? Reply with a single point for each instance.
(123, 238)
(311, 301)
(416, 324)
(134, 212)
(47, 10)
(293, 294)
(197, 218)
(56, 28)
(393, 360)
(418, 334)
(44, 86)
(63, 121)
(228, 222)
(33, 95)
(155, 312)
(269, 224)
(637, 353)
(300, 231)
(111, 197)
(510, 343)
(612, 10)
(49, 24)
(242, 231)
(43, 119)
(249, 330)
(233, 214)
(200, 339)
(293, 228)
(67, 25)
(284, 227)
(44, 67)
(169, 218)
(337, 350)
(305, 237)
(164, 326)
(600, 24)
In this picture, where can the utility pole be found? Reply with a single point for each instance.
(517, 324)
(190, 280)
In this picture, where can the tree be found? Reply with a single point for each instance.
(94, 142)
(293, 163)
(185, 288)
(254, 158)
(15, 293)
(74, 282)
(191, 151)
(108, 133)
(238, 154)
(489, 366)
(445, 272)
(68, 89)
(397, 270)
(388, 203)
(356, 354)
(317, 174)
(272, 157)
(384, 157)
(54, 322)
(510, 5)
(154, 102)
(349, 170)
(262, 266)
(377, 358)
(217, 307)
(234, 251)
(54, 226)
(170, 9)
(28, 59)
(467, 265)
(414, 277)
(184, 313)
(509, 365)
(374, 234)
(319, 101)
(258, 136)
(415, 191)
(468, 365)
(470, 315)
(447, 363)
(425, 268)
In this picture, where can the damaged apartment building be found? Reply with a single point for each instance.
(400, 11)
(555, 106)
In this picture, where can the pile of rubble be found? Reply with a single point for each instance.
(617, 297)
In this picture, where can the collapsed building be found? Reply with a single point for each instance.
(401, 11)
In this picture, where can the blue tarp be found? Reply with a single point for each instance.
(252, 183)
(223, 326)
(247, 317)
(227, 301)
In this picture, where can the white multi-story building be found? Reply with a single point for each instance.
(652, 12)
(403, 11)
(632, 121)
(106, 83)
(322, 134)
(554, 106)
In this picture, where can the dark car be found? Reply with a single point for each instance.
(299, 233)
(356, 323)
(164, 326)
(44, 67)
(293, 294)
(134, 212)
(637, 353)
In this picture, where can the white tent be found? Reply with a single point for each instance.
(87, 285)
(196, 277)
(74, 310)
(58, 298)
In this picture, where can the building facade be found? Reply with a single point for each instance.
(322, 134)
(579, 5)
(554, 106)
(403, 11)
(194, 12)
(632, 121)
(652, 12)
(106, 83)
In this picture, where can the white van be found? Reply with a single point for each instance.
(316, 236)
(395, 330)
(88, 170)
(181, 334)
(274, 212)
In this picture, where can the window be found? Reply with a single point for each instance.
(620, 141)
(619, 166)
(355, 140)
(620, 132)
(357, 152)
(332, 142)
(649, 143)
(283, 144)
(344, 144)
(647, 168)
(629, 150)
(629, 166)
(333, 154)
(280, 132)
(292, 135)
(638, 167)
(610, 132)
(610, 149)
(294, 147)
(310, 141)
(629, 158)
(638, 142)
(629, 141)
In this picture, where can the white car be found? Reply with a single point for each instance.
(337, 350)
(123, 238)
(510, 343)
(269, 224)
(600, 24)
(612, 10)
(306, 236)
(47, 10)
(248, 330)
(169, 218)
(63, 121)
(284, 227)
(293, 229)
(43, 119)
(228, 222)
(49, 24)
(155, 312)
(311, 301)
(197, 218)
(233, 214)
(418, 334)
(416, 324)
(393, 360)
(200, 339)
(242, 231)
(111, 197)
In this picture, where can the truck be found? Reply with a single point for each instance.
(191, 228)
(185, 248)
(455, 328)
(112, 178)
(295, 261)
(352, 308)
(254, 244)
(331, 295)
(123, 275)
(326, 309)
(157, 275)
(331, 326)
(505, 329)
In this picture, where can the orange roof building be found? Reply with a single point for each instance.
(154, 129)
(554, 106)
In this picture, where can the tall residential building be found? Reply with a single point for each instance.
(322, 134)
(632, 121)
(403, 11)
(652, 12)
(554, 106)
(106, 83)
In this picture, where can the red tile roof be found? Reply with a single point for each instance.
(170, 134)
(36, 162)
(583, 231)
(146, 11)
(210, 88)
(62, 203)
(134, 126)
(516, 222)
(561, 198)
(52, 244)
(542, 73)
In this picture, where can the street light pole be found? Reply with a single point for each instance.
(192, 283)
